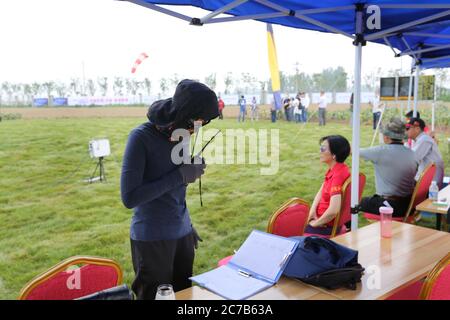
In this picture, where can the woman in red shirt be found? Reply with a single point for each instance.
(334, 150)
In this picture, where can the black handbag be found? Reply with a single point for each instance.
(116, 293)
(324, 263)
(337, 278)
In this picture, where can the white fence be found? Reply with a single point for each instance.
(229, 99)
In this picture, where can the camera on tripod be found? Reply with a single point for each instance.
(99, 149)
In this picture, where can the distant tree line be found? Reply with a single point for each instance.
(330, 80)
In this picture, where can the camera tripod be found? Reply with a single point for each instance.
(102, 176)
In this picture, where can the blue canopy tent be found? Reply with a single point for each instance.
(431, 63)
(360, 21)
(428, 45)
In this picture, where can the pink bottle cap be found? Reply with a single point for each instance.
(386, 210)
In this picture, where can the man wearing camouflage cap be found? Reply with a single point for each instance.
(395, 169)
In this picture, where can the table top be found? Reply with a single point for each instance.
(390, 263)
(399, 261)
(428, 206)
(285, 289)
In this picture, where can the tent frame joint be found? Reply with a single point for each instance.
(359, 39)
(196, 22)
(292, 13)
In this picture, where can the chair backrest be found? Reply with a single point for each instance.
(420, 193)
(73, 278)
(290, 219)
(345, 214)
(437, 283)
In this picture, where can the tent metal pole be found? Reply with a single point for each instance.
(161, 9)
(299, 15)
(386, 40)
(355, 134)
(430, 35)
(250, 17)
(414, 6)
(408, 52)
(356, 117)
(436, 59)
(408, 107)
(433, 106)
(407, 45)
(222, 10)
(404, 26)
(416, 90)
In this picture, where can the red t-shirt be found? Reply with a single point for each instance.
(221, 105)
(332, 185)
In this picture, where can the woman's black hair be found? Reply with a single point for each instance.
(339, 146)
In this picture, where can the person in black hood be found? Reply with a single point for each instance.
(154, 186)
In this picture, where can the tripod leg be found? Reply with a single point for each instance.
(102, 171)
(93, 173)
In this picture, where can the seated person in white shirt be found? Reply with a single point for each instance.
(425, 149)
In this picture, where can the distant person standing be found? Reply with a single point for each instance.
(273, 112)
(286, 104)
(322, 108)
(221, 106)
(254, 107)
(297, 109)
(305, 102)
(242, 109)
(376, 109)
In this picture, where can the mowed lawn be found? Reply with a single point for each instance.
(48, 213)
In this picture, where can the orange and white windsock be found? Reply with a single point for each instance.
(138, 61)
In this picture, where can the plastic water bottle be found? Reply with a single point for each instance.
(433, 191)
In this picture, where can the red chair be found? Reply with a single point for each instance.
(419, 195)
(437, 283)
(344, 214)
(73, 278)
(290, 219)
(287, 221)
(411, 292)
(435, 287)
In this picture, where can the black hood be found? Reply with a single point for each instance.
(192, 100)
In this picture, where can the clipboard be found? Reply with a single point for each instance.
(256, 266)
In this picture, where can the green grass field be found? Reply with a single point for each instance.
(48, 213)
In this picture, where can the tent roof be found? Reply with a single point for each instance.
(423, 43)
(335, 16)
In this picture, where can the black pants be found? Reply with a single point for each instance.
(376, 118)
(161, 262)
(373, 204)
(220, 115)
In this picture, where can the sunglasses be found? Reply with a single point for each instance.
(323, 149)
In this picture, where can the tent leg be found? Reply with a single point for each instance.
(355, 135)
(416, 90)
(433, 106)
(409, 93)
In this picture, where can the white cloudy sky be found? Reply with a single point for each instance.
(49, 39)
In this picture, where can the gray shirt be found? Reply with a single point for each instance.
(427, 151)
(395, 169)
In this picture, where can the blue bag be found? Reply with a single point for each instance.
(324, 263)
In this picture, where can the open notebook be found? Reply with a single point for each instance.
(257, 265)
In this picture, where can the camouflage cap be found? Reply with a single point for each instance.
(395, 129)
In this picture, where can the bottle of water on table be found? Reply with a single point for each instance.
(433, 191)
